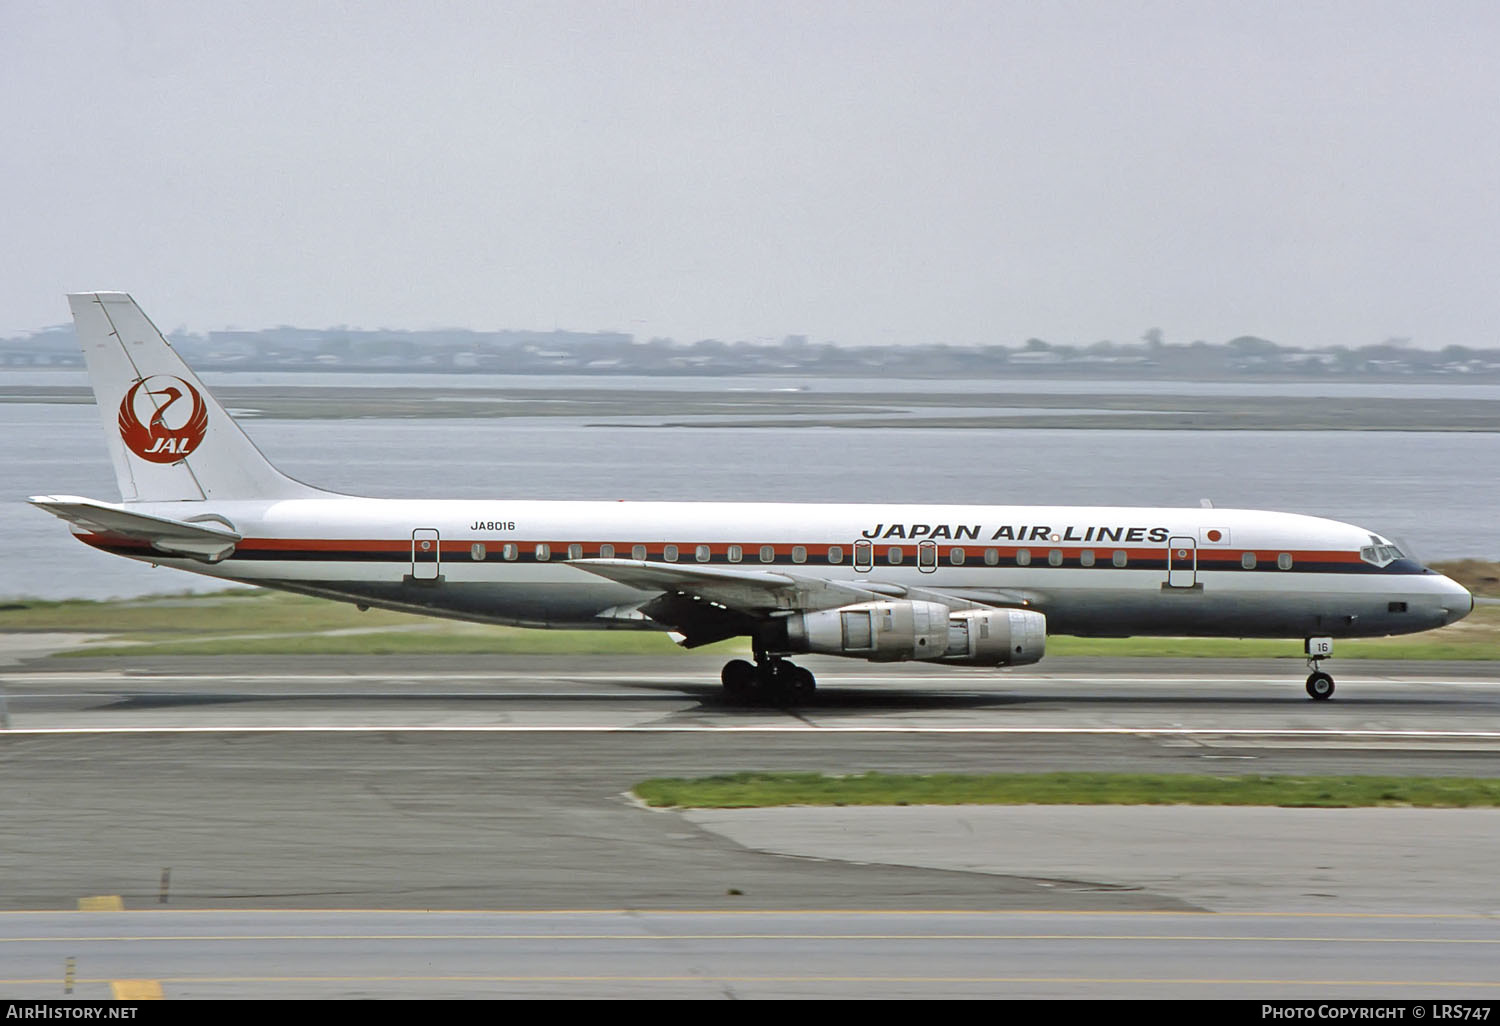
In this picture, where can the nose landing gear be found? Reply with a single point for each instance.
(1319, 684)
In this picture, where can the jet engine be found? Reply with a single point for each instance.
(891, 631)
(878, 631)
(996, 637)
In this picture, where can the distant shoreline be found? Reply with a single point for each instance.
(937, 409)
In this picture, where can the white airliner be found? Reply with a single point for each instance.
(967, 585)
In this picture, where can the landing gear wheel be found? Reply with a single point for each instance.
(802, 682)
(775, 678)
(738, 677)
(1320, 686)
(772, 680)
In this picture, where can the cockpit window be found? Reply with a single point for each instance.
(1380, 555)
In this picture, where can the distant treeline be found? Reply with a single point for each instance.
(572, 352)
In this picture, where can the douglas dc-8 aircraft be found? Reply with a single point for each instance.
(966, 585)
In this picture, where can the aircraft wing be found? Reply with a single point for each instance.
(207, 541)
(704, 604)
(748, 591)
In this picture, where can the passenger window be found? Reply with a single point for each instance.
(835, 554)
(799, 553)
(543, 552)
(1284, 561)
(1119, 558)
(956, 557)
(1023, 557)
(1086, 557)
(701, 553)
(1248, 561)
(606, 551)
(991, 557)
(1054, 558)
(669, 553)
(638, 552)
(575, 551)
(476, 552)
(768, 554)
(894, 555)
(736, 553)
(510, 551)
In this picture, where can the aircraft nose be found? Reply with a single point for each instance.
(1458, 601)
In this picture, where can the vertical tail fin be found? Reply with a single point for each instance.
(168, 437)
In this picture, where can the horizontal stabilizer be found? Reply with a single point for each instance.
(209, 541)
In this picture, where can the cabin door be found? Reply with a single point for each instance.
(1182, 562)
(425, 561)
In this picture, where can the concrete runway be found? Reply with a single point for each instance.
(472, 784)
(790, 954)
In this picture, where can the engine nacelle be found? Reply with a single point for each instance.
(996, 637)
(878, 631)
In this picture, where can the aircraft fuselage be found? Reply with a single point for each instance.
(1105, 571)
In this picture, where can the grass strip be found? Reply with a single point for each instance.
(761, 790)
(264, 622)
(443, 640)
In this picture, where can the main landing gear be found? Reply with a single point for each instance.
(769, 678)
(1319, 684)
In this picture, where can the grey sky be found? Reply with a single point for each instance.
(1317, 173)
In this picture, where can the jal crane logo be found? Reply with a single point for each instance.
(162, 419)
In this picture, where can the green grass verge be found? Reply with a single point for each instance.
(263, 622)
(438, 641)
(758, 790)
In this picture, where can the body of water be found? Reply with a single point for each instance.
(1436, 493)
